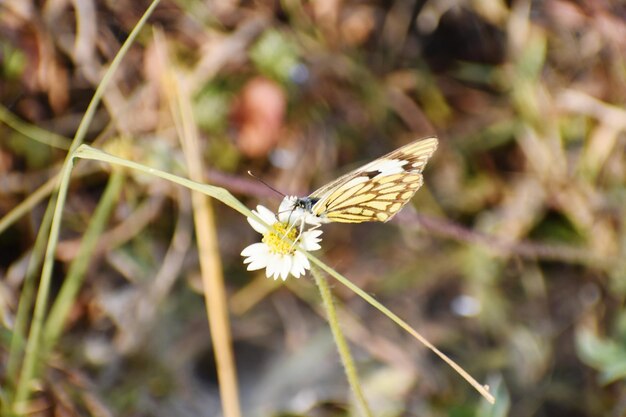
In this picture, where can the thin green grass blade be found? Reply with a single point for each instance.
(33, 132)
(33, 343)
(36, 197)
(76, 272)
(221, 194)
(27, 205)
(18, 336)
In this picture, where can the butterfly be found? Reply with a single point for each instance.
(373, 192)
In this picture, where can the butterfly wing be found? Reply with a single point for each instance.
(377, 190)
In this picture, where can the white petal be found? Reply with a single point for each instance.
(287, 204)
(255, 267)
(257, 256)
(309, 241)
(302, 260)
(298, 264)
(271, 266)
(266, 215)
(255, 249)
(299, 258)
(311, 247)
(257, 264)
(256, 225)
(285, 267)
(274, 265)
(301, 271)
(292, 216)
(276, 273)
(314, 233)
(296, 271)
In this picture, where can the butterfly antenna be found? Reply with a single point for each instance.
(266, 184)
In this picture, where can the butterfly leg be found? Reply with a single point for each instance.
(302, 224)
(292, 225)
(289, 229)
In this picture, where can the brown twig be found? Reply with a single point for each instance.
(504, 247)
(441, 227)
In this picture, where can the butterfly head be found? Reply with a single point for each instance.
(298, 210)
(305, 203)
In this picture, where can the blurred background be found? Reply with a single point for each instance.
(511, 258)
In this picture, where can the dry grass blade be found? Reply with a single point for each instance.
(207, 238)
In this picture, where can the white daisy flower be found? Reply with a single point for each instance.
(280, 250)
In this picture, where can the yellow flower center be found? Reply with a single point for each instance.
(280, 239)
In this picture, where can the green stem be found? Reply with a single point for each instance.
(76, 272)
(18, 336)
(340, 341)
(221, 194)
(34, 337)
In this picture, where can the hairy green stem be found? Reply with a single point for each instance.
(340, 341)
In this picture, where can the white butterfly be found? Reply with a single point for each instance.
(373, 192)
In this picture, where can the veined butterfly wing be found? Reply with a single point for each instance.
(375, 191)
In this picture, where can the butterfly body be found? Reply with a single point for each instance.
(374, 192)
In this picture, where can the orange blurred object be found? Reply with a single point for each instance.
(259, 114)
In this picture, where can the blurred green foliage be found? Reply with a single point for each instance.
(276, 56)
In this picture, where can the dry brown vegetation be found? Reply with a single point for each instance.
(511, 258)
